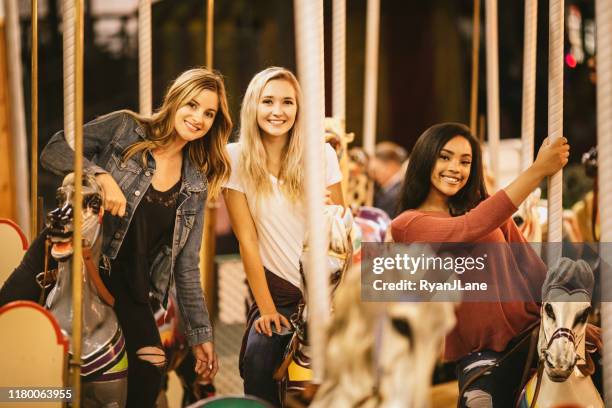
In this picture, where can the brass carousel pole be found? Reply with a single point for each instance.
(207, 250)
(77, 264)
(371, 84)
(475, 68)
(34, 117)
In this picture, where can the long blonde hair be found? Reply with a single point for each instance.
(253, 156)
(208, 153)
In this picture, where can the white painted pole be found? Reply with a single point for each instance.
(555, 125)
(604, 166)
(339, 59)
(17, 115)
(69, 70)
(145, 64)
(309, 41)
(529, 82)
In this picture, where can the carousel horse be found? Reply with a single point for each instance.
(564, 369)
(381, 354)
(527, 217)
(103, 355)
(294, 374)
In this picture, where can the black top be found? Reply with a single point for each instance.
(151, 228)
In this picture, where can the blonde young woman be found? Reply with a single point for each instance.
(156, 173)
(265, 199)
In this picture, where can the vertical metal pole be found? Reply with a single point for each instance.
(555, 125)
(339, 59)
(77, 260)
(17, 116)
(145, 64)
(492, 87)
(210, 22)
(339, 81)
(34, 123)
(371, 76)
(308, 33)
(529, 82)
(370, 97)
(475, 67)
(68, 26)
(208, 248)
(604, 147)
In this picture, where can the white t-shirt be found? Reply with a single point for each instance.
(281, 224)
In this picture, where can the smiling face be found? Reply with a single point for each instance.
(452, 169)
(277, 108)
(196, 116)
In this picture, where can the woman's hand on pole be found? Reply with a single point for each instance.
(263, 324)
(552, 156)
(114, 199)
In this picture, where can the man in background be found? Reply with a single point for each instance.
(387, 170)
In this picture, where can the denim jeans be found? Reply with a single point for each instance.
(500, 386)
(262, 356)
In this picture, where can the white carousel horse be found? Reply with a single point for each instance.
(381, 354)
(532, 216)
(562, 377)
(104, 359)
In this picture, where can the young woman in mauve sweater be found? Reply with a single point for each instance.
(444, 200)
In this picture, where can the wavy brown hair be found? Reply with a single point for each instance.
(208, 153)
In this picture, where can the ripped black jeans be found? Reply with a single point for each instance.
(500, 387)
(140, 330)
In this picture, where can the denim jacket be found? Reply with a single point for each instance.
(104, 141)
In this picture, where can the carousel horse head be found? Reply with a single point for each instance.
(338, 226)
(528, 218)
(104, 360)
(589, 161)
(566, 304)
(392, 362)
(60, 220)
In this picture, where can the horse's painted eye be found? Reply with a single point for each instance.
(92, 201)
(518, 220)
(549, 311)
(402, 327)
(582, 317)
(60, 197)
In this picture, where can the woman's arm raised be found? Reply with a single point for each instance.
(244, 228)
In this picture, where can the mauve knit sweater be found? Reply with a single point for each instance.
(483, 325)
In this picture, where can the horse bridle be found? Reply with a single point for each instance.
(561, 332)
